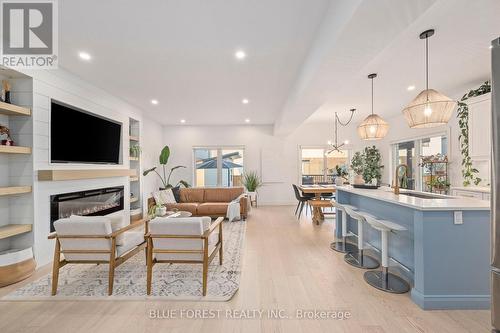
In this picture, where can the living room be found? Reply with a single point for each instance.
(249, 166)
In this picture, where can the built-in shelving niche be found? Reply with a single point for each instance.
(16, 164)
(135, 163)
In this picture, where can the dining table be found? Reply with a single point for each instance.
(316, 202)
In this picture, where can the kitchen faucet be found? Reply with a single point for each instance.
(396, 177)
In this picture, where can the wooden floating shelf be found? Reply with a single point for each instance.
(134, 179)
(51, 175)
(133, 138)
(14, 110)
(12, 190)
(13, 230)
(15, 150)
(134, 199)
(132, 158)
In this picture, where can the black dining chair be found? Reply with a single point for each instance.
(302, 200)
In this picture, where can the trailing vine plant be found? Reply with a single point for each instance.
(469, 173)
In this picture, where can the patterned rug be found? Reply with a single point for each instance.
(170, 281)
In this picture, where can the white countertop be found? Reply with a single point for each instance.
(443, 203)
(482, 189)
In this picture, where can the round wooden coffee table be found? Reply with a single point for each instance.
(182, 213)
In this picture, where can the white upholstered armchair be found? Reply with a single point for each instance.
(191, 240)
(95, 240)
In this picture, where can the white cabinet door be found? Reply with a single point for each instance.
(480, 127)
(468, 194)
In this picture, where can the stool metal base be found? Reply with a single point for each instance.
(360, 260)
(385, 281)
(343, 247)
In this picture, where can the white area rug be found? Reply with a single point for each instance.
(170, 281)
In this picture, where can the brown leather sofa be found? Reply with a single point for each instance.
(213, 202)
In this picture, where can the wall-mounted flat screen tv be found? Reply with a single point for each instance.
(78, 136)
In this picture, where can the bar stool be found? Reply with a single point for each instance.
(359, 259)
(341, 245)
(383, 280)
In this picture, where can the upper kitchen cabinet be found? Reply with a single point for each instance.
(480, 127)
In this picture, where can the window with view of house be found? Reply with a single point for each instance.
(410, 152)
(218, 166)
(317, 167)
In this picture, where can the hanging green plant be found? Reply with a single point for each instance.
(469, 173)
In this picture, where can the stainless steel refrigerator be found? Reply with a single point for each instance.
(495, 204)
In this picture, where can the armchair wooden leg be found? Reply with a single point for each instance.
(205, 266)
(149, 263)
(221, 251)
(112, 266)
(55, 267)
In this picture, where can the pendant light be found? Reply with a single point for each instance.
(373, 127)
(430, 108)
(334, 144)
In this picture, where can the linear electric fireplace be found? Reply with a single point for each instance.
(86, 203)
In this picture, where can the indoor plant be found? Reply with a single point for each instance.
(135, 150)
(251, 181)
(164, 156)
(357, 163)
(371, 166)
(340, 173)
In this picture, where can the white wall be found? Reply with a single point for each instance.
(69, 89)
(254, 138)
(182, 139)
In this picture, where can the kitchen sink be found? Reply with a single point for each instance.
(422, 195)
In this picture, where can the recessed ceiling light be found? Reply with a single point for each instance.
(240, 55)
(84, 56)
(154, 101)
(410, 88)
(183, 121)
(245, 101)
(247, 120)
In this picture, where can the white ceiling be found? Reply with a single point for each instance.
(182, 54)
(306, 58)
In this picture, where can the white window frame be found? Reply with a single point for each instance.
(219, 149)
(325, 148)
(418, 151)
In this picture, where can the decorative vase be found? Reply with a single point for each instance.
(358, 180)
(161, 211)
(339, 181)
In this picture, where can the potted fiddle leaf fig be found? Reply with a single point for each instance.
(165, 180)
(372, 170)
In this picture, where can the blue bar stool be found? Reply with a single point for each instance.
(383, 279)
(341, 245)
(359, 259)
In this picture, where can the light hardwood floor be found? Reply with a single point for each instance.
(287, 265)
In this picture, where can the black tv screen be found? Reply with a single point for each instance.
(77, 136)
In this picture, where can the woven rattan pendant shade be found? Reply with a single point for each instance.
(429, 109)
(373, 128)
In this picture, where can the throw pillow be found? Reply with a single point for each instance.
(177, 193)
(164, 197)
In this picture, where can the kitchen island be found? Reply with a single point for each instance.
(445, 251)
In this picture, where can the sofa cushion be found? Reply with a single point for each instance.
(191, 207)
(213, 208)
(222, 194)
(191, 194)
